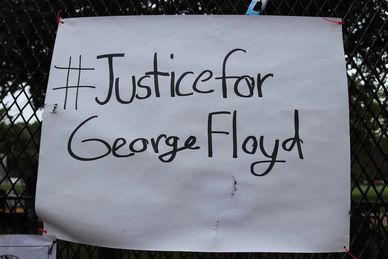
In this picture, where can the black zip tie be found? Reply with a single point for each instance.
(51, 247)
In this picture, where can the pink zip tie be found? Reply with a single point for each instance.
(336, 22)
(42, 230)
(59, 19)
(349, 253)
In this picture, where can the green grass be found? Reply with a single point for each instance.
(18, 188)
(373, 193)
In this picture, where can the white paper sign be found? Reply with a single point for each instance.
(197, 133)
(27, 247)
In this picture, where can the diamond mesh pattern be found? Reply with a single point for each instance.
(27, 32)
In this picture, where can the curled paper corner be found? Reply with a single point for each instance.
(338, 21)
(343, 242)
(59, 18)
(349, 253)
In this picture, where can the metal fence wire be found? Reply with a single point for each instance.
(27, 33)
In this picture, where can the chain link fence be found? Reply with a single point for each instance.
(27, 33)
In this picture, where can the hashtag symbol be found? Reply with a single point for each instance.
(67, 87)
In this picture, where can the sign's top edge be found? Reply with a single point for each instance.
(195, 16)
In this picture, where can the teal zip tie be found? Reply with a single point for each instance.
(256, 7)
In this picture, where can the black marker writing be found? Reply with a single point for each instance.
(150, 83)
(251, 145)
(120, 148)
(126, 89)
(111, 75)
(68, 69)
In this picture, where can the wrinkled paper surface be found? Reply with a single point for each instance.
(261, 113)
